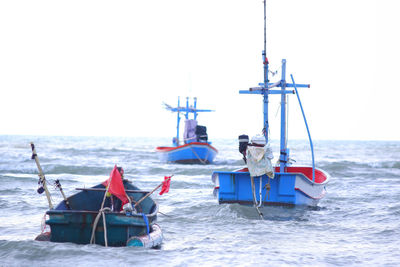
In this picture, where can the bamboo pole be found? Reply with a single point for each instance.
(41, 175)
(151, 192)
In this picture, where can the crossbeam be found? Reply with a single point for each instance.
(279, 84)
(261, 91)
(190, 110)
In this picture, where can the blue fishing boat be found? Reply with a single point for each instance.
(195, 147)
(114, 213)
(261, 183)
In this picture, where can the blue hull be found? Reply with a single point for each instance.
(192, 153)
(285, 188)
(76, 227)
(75, 224)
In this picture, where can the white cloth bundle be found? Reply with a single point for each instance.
(259, 160)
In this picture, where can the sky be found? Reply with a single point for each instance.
(104, 68)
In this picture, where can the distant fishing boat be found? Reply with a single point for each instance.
(260, 183)
(114, 213)
(195, 147)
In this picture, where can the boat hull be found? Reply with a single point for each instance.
(192, 153)
(294, 187)
(76, 227)
(75, 224)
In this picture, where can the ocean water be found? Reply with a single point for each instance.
(356, 224)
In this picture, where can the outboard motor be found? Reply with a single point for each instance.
(243, 143)
(201, 133)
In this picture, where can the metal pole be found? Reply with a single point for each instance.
(177, 126)
(187, 108)
(265, 91)
(308, 130)
(195, 112)
(283, 154)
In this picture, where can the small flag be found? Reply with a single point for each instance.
(166, 184)
(117, 186)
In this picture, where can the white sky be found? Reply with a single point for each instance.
(105, 67)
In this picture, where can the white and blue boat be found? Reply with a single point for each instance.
(261, 183)
(195, 147)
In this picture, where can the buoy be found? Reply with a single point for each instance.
(44, 236)
(151, 240)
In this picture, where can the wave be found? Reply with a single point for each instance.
(348, 165)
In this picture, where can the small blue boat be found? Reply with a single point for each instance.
(96, 215)
(260, 183)
(195, 147)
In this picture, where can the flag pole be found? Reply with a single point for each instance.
(151, 192)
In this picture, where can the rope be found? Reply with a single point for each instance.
(197, 156)
(267, 188)
(96, 221)
(259, 204)
(165, 214)
(43, 224)
(101, 213)
(256, 205)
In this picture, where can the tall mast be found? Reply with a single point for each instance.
(195, 106)
(266, 89)
(265, 62)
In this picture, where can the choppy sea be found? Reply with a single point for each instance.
(356, 224)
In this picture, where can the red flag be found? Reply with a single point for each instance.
(166, 184)
(116, 187)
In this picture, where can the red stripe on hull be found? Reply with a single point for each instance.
(320, 177)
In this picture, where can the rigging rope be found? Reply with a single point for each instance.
(96, 221)
(101, 213)
(197, 156)
(256, 205)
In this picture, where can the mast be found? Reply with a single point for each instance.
(265, 91)
(284, 151)
(187, 108)
(194, 105)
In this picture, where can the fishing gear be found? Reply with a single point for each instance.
(42, 179)
(57, 185)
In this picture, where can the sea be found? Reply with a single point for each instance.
(357, 223)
